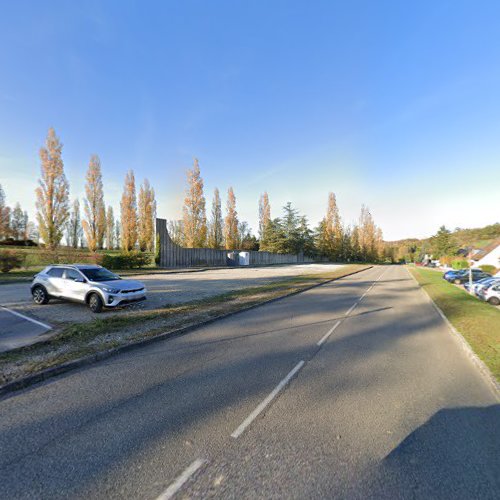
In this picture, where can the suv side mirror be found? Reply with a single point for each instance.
(79, 280)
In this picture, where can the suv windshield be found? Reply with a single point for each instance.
(99, 274)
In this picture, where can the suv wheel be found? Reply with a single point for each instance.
(494, 301)
(95, 303)
(40, 295)
(457, 281)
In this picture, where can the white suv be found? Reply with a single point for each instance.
(85, 283)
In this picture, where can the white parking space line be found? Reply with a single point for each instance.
(237, 433)
(328, 333)
(27, 318)
(181, 480)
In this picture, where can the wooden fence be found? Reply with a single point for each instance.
(173, 255)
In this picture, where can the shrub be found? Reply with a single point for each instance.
(10, 260)
(488, 268)
(459, 264)
(131, 260)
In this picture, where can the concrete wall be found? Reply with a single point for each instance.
(172, 255)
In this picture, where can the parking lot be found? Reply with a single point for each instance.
(163, 289)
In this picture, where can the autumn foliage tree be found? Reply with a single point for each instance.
(74, 229)
(264, 219)
(94, 225)
(367, 235)
(330, 238)
(4, 216)
(52, 194)
(194, 214)
(110, 228)
(147, 214)
(215, 232)
(128, 208)
(231, 234)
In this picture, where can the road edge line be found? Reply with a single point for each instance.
(466, 347)
(43, 375)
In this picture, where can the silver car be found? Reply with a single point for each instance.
(88, 284)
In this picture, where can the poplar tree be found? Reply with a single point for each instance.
(94, 225)
(147, 213)
(330, 234)
(231, 222)
(194, 215)
(354, 243)
(118, 234)
(215, 234)
(367, 235)
(74, 229)
(110, 229)
(52, 194)
(128, 208)
(18, 223)
(4, 216)
(264, 213)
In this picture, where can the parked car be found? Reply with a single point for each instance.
(476, 276)
(92, 285)
(478, 285)
(462, 276)
(491, 294)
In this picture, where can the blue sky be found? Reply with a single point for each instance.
(388, 103)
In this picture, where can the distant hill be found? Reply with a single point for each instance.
(478, 237)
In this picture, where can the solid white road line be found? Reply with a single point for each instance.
(181, 480)
(239, 431)
(39, 323)
(328, 333)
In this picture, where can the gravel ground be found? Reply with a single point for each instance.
(162, 290)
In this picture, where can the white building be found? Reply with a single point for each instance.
(489, 255)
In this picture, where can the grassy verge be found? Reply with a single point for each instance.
(83, 339)
(478, 322)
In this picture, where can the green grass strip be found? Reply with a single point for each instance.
(477, 321)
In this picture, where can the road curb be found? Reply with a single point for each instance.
(478, 362)
(48, 373)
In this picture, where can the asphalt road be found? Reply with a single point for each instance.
(374, 398)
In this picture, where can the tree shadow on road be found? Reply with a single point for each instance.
(452, 455)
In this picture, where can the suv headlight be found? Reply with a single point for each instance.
(110, 290)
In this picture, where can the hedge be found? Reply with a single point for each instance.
(488, 268)
(131, 260)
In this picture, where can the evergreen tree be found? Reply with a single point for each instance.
(443, 243)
